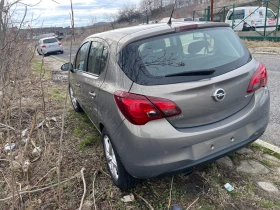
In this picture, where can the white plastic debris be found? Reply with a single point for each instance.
(9, 147)
(128, 198)
(229, 187)
(26, 165)
(36, 151)
(16, 165)
(53, 119)
(23, 133)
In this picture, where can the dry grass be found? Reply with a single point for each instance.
(257, 44)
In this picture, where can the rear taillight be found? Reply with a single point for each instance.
(139, 109)
(259, 79)
(59, 43)
(44, 46)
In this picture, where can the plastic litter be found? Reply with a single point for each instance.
(24, 132)
(26, 165)
(16, 165)
(229, 187)
(177, 207)
(9, 147)
(36, 150)
(128, 198)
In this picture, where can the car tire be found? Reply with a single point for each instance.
(74, 101)
(39, 52)
(62, 52)
(123, 180)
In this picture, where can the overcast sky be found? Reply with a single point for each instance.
(50, 13)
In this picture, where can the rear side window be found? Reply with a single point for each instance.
(48, 41)
(153, 61)
(238, 14)
(97, 58)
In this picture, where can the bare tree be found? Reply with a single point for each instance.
(146, 6)
(129, 13)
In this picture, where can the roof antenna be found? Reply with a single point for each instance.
(169, 22)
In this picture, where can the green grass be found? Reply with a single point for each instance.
(57, 94)
(269, 204)
(265, 150)
(77, 132)
(87, 141)
(268, 163)
(37, 65)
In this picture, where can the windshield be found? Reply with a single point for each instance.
(149, 61)
(52, 40)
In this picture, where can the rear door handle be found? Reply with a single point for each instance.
(78, 85)
(92, 94)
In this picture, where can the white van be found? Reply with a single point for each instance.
(252, 18)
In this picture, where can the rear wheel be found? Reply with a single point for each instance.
(74, 101)
(39, 52)
(120, 177)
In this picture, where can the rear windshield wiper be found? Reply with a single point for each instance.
(192, 73)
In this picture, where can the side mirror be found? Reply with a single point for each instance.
(66, 67)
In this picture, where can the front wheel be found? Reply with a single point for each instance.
(74, 101)
(120, 177)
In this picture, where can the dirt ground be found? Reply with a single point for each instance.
(202, 189)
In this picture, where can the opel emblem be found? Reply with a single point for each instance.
(219, 94)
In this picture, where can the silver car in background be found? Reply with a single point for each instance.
(49, 45)
(167, 98)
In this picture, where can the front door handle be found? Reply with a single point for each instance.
(92, 94)
(78, 85)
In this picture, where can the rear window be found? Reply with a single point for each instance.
(238, 14)
(48, 41)
(153, 61)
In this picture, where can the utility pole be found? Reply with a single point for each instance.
(212, 9)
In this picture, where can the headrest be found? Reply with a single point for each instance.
(196, 47)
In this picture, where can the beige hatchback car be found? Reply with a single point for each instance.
(167, 98)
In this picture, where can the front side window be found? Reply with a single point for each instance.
(81, 57)
(185, 57)
(270, 14)
(238, 14)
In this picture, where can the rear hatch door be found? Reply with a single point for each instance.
(206, 72)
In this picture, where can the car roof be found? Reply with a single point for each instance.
(248, 8)
(124, 36)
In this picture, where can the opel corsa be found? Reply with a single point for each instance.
(167, 98)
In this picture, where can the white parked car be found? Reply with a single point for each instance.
(49, 45)
(252, 19)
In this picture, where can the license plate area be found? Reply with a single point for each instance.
(214, 145)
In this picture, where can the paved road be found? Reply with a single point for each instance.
(66, 55)
(272, 62)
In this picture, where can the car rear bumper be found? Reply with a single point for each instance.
(158, 148)
(50, 50)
